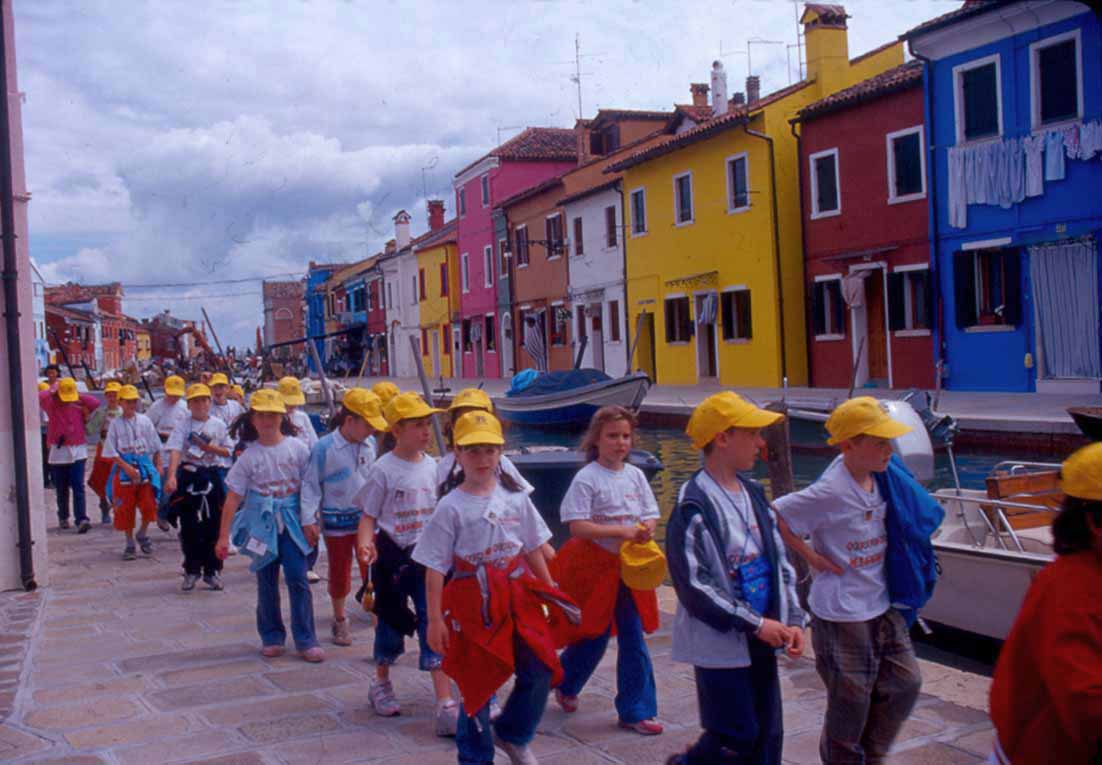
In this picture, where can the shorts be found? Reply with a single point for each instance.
(130, 498)
(341, 551)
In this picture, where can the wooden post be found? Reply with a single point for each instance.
(329, 401)
(635, 341)
(782, 481)
(414, 345)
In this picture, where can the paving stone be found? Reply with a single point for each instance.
(124, 734)
(82, 714)
(949, 713)
(289, 728)
(340, 749)
(213, 672)
(268, 709)
(183, 659)
(180, 749)
(74, 693)
(15, 743)
(243, 758)
(641, 750)
(208, 693)
(979, 742)
(934, 754)
(78, 759)
(311, 677)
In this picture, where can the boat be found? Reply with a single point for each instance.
(1089, 420)
(569, 399)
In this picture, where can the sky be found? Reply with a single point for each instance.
(190, 149)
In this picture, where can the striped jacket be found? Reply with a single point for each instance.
(714, 621)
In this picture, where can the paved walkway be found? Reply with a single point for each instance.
(123, 668)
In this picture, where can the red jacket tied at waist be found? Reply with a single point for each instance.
(484, 608)
(590, 574)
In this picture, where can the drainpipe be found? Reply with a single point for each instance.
(11, 327)
(776, 245)
(803, 237)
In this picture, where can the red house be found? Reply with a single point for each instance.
(866, 242)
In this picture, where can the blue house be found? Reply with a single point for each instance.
(316, 276)
(1013, 110)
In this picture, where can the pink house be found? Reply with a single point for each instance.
(528, 159)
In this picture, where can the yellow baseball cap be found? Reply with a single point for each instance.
(67, 390)
(642, 565)
(291, 391)
(43, 386)
(723, 411)
(112, 387)
(365, 404)
(478, 428)
(218, 378)
(174, 385)
(238, 390)
(197, 390)
(407, 406)
(129, 393)
(267, 400)
(385, 391)
(862, 416)
(472, 398)
(1081, 473)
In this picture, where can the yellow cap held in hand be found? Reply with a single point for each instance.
(267, 400)
(67, 390)
(129, 393)
(721, 412)
(219, 378)
(1081, 473)
(385, 390)
(478, 429)
(472, 398)
(291, 391)
(197, 390)
(407, 406)
(642, 565)
(363, 403)
(863, 416)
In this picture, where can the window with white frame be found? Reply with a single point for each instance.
(977, 99)
(906, 165)
(828, 317)
(488, 266)
(639, 212)
(554, 235)
(679, 323)
(738, 183)
(614, 321)
(502, 248)
(1056, 79)
(683, 198)
(825, 190)
(489, 333)
(579, 247)
(909, 299)
(521, 251)
(465, 272)
(484, 182)
(610, 226)
(462, 203)
(560, 324)
(735, 314)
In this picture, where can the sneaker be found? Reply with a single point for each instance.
(83, 527)
(271, 651)
(519, 754)
(649, 727)
(232, 550)
(340, 632)
(569, 704)
(213, 582)
(129, 553)
(189, 582)
(105, 517)
(311, 577)
(447, 718)
(63, 523)
(146, 544)
(162, 524)
(313, 655)
(382, 699)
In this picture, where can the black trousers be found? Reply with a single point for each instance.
(197, 506)
(198, 536)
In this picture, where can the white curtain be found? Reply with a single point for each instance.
(707, 313)
(1065, 293)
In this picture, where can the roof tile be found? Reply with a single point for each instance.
(902, 77)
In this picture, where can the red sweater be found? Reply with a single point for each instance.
(1046, 697)
(590, 574)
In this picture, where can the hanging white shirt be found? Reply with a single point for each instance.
(609, 498)
(335, 476)
(188, 430)
(131, 436)
(400, 495)
(446, 463)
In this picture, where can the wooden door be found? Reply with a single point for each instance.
(878, 339)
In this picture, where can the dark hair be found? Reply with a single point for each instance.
(1070, 531)
(245, 432)
(54, 367)
(338, 419)
(456, 478)
(602, 417)
(386, 444)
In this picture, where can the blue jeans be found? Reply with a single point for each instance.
(519, 718)
(70, 478)
(390, 643)
(636, 694)
(269, 618)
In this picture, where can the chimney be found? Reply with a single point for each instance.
(753, 89)
(719, 88)
(739, 99)
(390, 247)
(700, 93)
(826, 46)
(436, 214)
(401, 229)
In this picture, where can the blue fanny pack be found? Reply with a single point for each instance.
(340, 518)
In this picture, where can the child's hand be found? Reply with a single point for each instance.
(222, 548)
(170, 485)
(312, 534)
(795, 647)
(438, 635)
(366, 554)
(642, 534)
(773, 633)
(133, 473)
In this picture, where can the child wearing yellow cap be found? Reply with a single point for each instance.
(398, 498)
(96, 428)
(862, 645)
(223, 407)
(339, 463)
(1046, 695)
(471, 400)
(489, 536)
(134, 486)
(166, 412)
(266, 481)
(736, 591)
(67, 410)
(294, 400)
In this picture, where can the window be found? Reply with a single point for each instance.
(485, 184)
(465, 272)
(560, 319)
(824, 184)
(462, 202)
(909, 300)
(610, 226)
(424, 342)
(444, 331)
(906, 165)
(421, 282)
(976, 99)
(734, 308)
(522, 246)
(738, 184)
(467, 345)
(1056, 79)
(413, 290)
(639, 212)
(614, 321)
(389, 295)
(580, 332)
(679, 325)
(554, 230)
(490, 335)
(987, 288)
(683, 198)
(502, 248)
(828, 317)
(579, 248)
(444, 280)
(488, 266)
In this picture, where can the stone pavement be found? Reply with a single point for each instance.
(123, 668)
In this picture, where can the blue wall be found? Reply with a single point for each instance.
(1068, 208)
(315, 308)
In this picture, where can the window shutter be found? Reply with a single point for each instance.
(897, 318)
(839, 306)
(745, 322)
(1012, 290)
(964, 289)
(671, 324)
(818, 323)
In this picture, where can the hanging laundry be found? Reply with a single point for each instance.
(1033, 147)
(1090, 140)
(853, 289)
(1015, 170)
(958, 188)
(1071, 140)
(1054, 156)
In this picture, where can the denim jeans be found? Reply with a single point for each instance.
(519, 718)
(70, 478)
(269, 618)
(636, 694)
(390, 643)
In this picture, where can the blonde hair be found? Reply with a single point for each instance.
(602, 417)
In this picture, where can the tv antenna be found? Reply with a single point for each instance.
(576, 78)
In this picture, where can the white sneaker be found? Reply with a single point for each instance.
(447, 718)
(232, 550)
(518, 754)
(383, 701)
(312, 578)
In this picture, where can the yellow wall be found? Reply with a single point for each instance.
(145, 349)
(435, 311)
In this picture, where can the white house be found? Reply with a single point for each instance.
(38, 314)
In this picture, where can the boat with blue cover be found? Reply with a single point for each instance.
(568, 399)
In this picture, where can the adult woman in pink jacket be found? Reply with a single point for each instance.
(68, 409)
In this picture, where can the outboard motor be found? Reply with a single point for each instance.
(914, 448)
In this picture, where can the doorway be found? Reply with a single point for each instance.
(596, 336)
(643, 355)
(457, 351)
(507, 362)
(865, 292)
(706, 347)
(434, 335)
(477, 343)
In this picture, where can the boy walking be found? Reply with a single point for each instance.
(134, 486)
(737, 603)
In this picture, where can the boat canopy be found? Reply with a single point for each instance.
(555, 382)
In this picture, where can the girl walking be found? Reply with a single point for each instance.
(294, 399)
(472, 400)
(134, 484)
(67, 411)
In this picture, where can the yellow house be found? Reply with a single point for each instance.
(714, 262)
(144, 343)
(438, 294)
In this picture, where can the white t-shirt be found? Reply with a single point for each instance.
(400, 496)
(271, 470)
(227, 412)
(67, 455)
(846, 524)
(609, 498)
(131, 435)
(165, 416)
(490, 530)
(345, 468)
(447, 462)
(738, 512)
(306, 432)
(212, 429)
